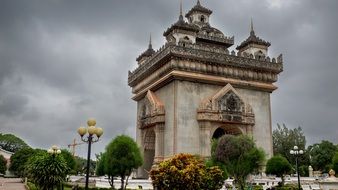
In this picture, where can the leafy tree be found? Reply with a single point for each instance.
(184, 171)
(3, 163)
(100, 164)
(81, 165)
(279, 166)
(70, 160)
(19, 159)
(285, 139)
(213, 162)
(123, 155)
(11, 142)
(47, 171)
(303, 170)
(322, 155)
(240, 156)
(335, 163)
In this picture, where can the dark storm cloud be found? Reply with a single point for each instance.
(64, 61)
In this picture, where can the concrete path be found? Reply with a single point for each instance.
(11, 184)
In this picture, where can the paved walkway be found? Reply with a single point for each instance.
(11, 184)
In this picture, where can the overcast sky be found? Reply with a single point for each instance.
(64, 61)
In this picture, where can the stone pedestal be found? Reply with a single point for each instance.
(330, 183)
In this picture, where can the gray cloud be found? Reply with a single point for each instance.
(64, 61)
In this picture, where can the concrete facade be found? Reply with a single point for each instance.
(193, 89)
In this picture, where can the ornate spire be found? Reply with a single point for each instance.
(253, 39)
(198, 2)
(149, 52)
(181, 12)
(150, 46)
(252, 32)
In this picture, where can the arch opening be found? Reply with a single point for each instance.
(149, 149)
(218, 133)
(229, 130)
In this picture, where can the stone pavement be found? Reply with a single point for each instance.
(11, 184)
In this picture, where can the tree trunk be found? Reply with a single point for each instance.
(122, 182)
(283, 180)
(111, 181)
(125, 186)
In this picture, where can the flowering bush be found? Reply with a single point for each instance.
(185, 171)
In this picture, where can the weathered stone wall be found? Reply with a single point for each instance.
(190, 95)
(260, 103)
(181, 100)
(167, 95)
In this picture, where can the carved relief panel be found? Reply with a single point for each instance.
(226, 106)
(151, 111)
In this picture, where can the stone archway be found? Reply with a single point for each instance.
(151, 122)
(149, 149)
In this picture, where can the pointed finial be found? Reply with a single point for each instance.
(251, 24)
(198, 2)
(181, 12)
(150, 45)
(252, 32)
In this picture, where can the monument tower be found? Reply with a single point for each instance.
(193, 89)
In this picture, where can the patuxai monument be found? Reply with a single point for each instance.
(193, 89)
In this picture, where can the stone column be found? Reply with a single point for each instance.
(310, 171)
(141, 173)
(159, 143)
(205, 137)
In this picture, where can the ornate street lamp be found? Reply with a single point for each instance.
(54, 150)
(297, 152)
(92, 132)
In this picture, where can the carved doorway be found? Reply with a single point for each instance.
(149, 149)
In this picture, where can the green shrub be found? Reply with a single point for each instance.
(31, 186)
(288, 187)
(46, 171)
(257, 187)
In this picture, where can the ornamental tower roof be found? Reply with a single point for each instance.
(181, 24)
(198, 8)
(253, 39)
(148, 53)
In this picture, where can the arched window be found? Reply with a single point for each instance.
(259, 54)
(202, 18)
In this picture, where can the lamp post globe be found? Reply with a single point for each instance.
(91, 130)
(99, 132)
(81, 131)
(91, 122)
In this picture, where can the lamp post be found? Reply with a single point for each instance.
(54, 150)
(297, 152)
(92, 131)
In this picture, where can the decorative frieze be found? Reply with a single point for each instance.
(205, 68)
(210, 60)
